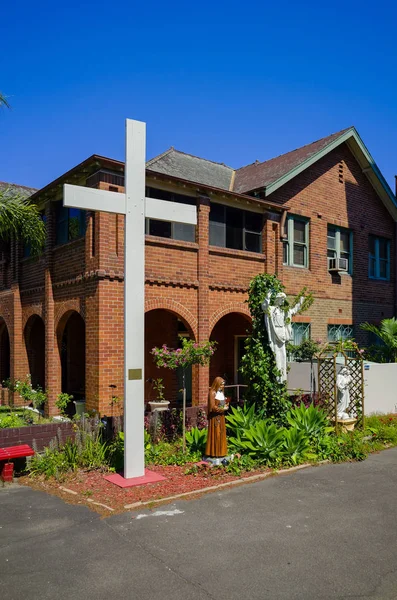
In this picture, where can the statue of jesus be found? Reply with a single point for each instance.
(279, 329)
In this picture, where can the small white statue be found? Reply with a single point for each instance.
(279, 328)
(343, 381)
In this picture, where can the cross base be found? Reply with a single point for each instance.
(148, 477)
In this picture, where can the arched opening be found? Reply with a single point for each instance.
(164, 327)
(71, 342)
(230, 332)
(5, 369)
(34, 335)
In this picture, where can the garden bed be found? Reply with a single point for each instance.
(90, 487)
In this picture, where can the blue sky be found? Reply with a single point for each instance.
(229, 81)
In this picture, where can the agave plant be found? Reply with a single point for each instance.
(241, 418)
(263, 441)
(196, 439)
(312, 421)
(296, 446)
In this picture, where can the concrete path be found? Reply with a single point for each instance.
(320, 533)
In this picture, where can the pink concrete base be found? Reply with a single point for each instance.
(148, 477)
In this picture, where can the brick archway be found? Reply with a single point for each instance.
(5, 365)
(225, 310)
(63, 313)
(177, 309)
(34, 337)
(71, 338)
(31, 311)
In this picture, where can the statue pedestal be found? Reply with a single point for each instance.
(221, 460)
(346, 424)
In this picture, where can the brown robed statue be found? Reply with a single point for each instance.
(217, 405)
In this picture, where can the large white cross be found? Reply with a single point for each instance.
(135, 207)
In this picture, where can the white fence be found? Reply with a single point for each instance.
(380, 384)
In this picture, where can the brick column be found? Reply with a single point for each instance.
(52, 357)
(19, 366)
(202, 233)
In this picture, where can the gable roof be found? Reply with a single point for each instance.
(268, 176)
(262, 174)
(186, 166)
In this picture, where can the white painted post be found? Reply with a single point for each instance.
(135, 207)
(134, 299)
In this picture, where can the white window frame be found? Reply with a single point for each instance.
(289, 242)
(173, 226)
(337, 246)
(378, 260)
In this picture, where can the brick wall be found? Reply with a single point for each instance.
(40, 434)
(201, 285)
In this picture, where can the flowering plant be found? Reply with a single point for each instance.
(24, 388)
(191, 353)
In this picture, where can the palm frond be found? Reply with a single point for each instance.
(4, 101)
(22, 220)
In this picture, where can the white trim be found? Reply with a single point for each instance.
(289, 241)
(363, 157)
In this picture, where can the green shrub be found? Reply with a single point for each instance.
(11, 420)
(52, 463)
(62, 402)
(262, 441)
(165, 453)
(196, 440)
(241, 418)
(296, 447)
(312, 421)
(348, 447)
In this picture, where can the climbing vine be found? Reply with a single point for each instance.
(258, 364)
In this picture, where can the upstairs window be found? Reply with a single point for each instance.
(166, 229)
(379, 258)
(70, 224)
(235, 228)
(340, 245)
(296, 244)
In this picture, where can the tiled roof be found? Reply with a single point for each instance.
(192, 168)
(262, 174)
(248, 178)
(13, 189)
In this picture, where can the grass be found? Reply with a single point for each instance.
(20, 417)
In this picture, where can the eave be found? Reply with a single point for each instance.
(364, 159)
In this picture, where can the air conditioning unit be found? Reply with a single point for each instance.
(338, 265)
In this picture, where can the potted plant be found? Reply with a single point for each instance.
(161, 403)
(190, 353)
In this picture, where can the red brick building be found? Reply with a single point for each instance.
(321, 216)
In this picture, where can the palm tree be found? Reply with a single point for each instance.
(20, 219)
(3, 101)
(387, 332)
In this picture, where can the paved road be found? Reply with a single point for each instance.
(320, 533)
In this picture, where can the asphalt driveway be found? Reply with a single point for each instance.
(320, 533)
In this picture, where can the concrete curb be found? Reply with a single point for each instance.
(212, 488)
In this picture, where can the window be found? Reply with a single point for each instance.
(235, 228)
(300, 332)
(166, 229)
(337, 333)
(296, 244)
(340, 244)
(379, 258)
(70, 224)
